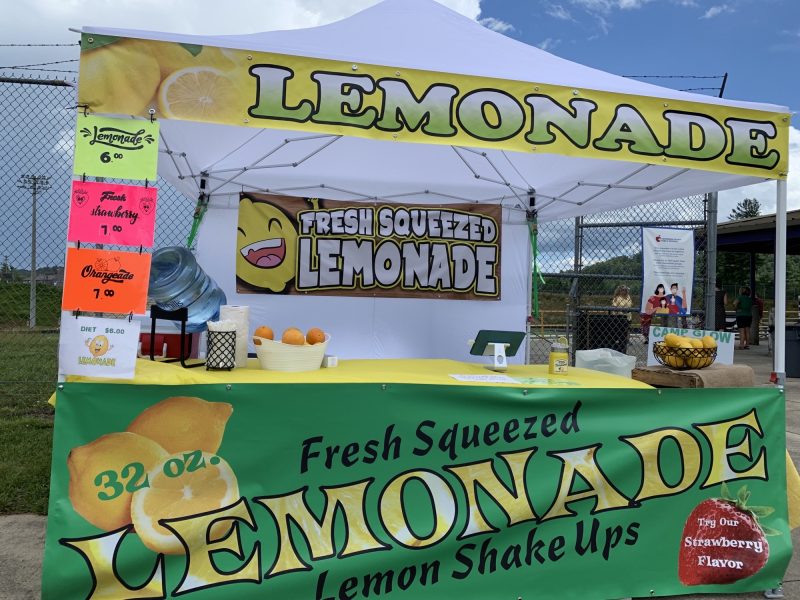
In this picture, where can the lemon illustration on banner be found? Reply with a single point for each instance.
(106, 85)
(184, 423)
(178, 488)
(104, 473)
(200, 93)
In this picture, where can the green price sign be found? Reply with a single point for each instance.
(116, 148)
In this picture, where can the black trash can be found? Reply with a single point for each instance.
(602, 331)
(793, 350)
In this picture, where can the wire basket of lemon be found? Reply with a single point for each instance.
(678, 352)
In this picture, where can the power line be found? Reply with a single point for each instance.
(44, 64)
(676, 76)
(36, 45)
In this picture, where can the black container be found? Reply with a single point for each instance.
(793, 350)
(221, 355)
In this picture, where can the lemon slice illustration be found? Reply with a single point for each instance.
(181, 488)
(101, 473)
(199, 94)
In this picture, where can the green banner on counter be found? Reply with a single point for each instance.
(350, 491)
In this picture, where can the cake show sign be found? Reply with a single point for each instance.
(291, 245)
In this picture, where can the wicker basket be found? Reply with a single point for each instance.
(276, 356)
(684, 358)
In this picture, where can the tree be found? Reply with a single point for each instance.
(6, 273)
(733, 268)
(747, 208)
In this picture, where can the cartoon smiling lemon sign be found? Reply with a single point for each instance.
(266, 246)
(98, 345)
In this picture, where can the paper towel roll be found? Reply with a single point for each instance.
(241, 316)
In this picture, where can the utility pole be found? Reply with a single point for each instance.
(34, 183)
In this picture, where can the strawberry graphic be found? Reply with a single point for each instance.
(80, 196)
(722, 540)
(146, 205)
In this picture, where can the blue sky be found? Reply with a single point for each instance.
(757, 42)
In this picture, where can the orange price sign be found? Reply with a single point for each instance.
(106, 281)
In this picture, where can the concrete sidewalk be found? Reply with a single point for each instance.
(22, 536)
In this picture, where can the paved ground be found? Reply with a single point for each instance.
(22, 536)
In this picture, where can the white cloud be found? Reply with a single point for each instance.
(557, 11)
(715, 11)
(496, 25)
(49, 20)
(549, 44)
(765, 192)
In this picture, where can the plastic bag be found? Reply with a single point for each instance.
(605, 360)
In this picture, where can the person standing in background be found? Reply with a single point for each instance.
(622, 299)
(744, 316)
(720, 303)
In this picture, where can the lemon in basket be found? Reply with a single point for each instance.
(709, 342)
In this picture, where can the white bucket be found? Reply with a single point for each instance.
(276, 356)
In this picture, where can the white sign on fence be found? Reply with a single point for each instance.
(98, 347)
(725, 340)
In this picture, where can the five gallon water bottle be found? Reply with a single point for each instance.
(176, 280)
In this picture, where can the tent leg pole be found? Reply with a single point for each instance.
(780, 283)
(711, 260)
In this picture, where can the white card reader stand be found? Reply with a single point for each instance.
(497, 344)
(499, 353)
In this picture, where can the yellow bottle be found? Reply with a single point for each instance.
(559, 357)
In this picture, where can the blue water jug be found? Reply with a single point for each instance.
(177, 280)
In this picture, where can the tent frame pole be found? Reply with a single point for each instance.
(711, 261)
(780, 283)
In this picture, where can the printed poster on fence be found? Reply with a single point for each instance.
(469, 492)
(106, 281)
(314, 246)
(97, 347)
(116, 148)
(667, 271)
(110, 213)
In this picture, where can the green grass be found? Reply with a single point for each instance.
(28, 370)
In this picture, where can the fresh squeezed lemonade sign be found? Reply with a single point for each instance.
(291, 245)
(519, 495)
(258, 89)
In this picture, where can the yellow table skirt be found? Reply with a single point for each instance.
(418, 371)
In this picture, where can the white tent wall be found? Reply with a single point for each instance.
(380, 327)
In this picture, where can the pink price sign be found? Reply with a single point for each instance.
(109, 213)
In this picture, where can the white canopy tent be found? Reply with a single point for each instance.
(228, 159)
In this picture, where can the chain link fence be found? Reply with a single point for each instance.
(584, 261)
(37, 118)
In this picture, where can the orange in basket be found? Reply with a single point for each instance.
(262, 332)
(315, 335)
(293, 336)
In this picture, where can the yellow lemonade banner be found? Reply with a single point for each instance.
(257, 89)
